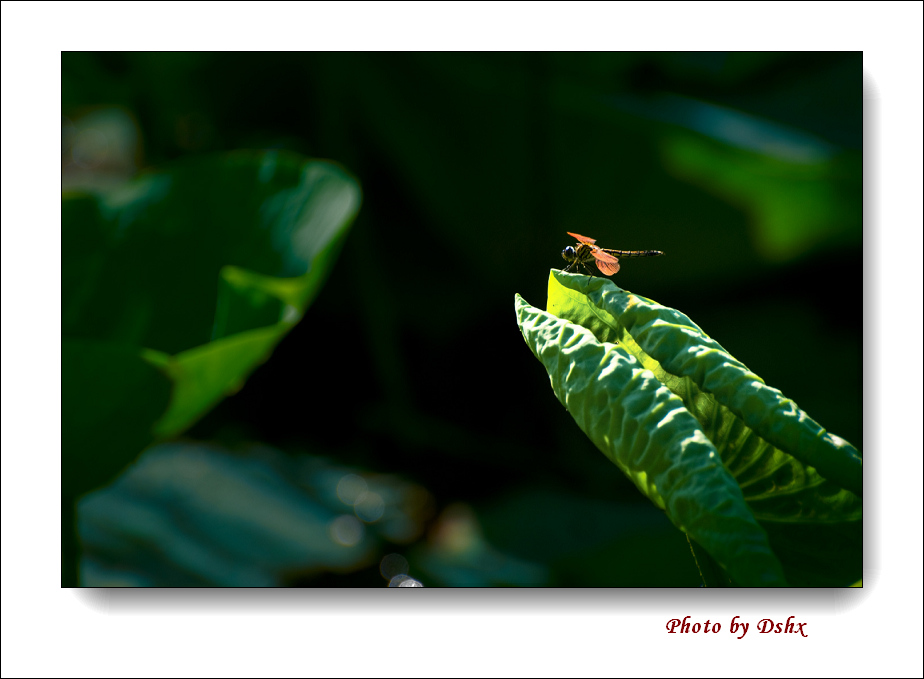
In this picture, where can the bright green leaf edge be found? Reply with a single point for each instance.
(203, 376)
(647, 431)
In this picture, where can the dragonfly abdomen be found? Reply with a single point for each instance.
(633, 253)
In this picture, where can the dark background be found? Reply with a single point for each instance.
(744, 168)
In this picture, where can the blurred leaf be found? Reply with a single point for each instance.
(204, 375)
(794, 206)
(200, 269)
(776, 453)
(192, 515)
(167, 237)
(110, 396)
(648, 433)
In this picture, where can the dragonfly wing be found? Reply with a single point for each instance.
(606, 263)
(608, 268)
(582, 239)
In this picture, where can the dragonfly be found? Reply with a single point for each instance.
(606, 260)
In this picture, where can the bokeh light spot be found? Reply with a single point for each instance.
(370, 507)
(90, 148)
(346, 530)
(393, 565)
(351, 489)
(404, 581)
(456, 530)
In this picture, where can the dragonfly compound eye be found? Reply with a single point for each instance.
(568, 253)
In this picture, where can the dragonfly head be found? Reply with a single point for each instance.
(568, 254)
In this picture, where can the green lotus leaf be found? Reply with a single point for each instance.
(800, 482)
(647, 431)
(675, 348)
(188, 277)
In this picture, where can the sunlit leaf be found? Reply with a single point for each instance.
(648, 433)
(795, 477)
